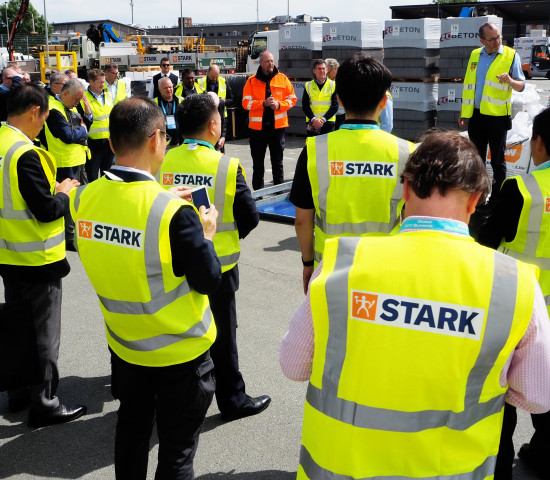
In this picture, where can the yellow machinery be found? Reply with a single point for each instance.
(56, 61)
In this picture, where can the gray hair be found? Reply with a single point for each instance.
(56, 77)
(73, 86)
(332, 63)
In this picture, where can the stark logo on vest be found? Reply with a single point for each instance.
(417, 314)
(362, 169)
(194, 179)
(113, 234)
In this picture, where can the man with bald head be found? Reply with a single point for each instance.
(11, 79)
(168, 102)
(267, 95)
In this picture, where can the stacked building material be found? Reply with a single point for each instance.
(459, 36)
(296, 117)
(449, 103)
(299, 45)
(343, 39)
(411, 48)
(414, 108)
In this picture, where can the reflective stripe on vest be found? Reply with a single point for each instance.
(319, 100)
(530, 244)
(170, 303)
(346, 228)
(25, 240)
(226, 239)
(66, 154)
(100, 126)
(496, 98)
(333, 401)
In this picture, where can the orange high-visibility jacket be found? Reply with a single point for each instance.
(254, 95)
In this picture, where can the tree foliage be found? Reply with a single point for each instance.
(25, 27)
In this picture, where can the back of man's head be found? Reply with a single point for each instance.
(131, 123)
(195, 113)
(541, 128)
(446, 161)
(361, 83)
(25, 97)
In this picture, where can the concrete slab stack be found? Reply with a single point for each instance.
(299, 44)
(343, 39)
(411, 48)
(449, 103)
(459, 36)
(414, 108)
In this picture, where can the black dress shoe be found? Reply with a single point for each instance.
(61, 414)
(535, 458)
(252, 406)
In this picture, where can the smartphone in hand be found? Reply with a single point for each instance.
(200, 197)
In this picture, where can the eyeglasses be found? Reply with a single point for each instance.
(492, 40)
(168, 137)
(164, 64)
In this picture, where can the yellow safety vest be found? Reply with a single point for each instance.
(66, 154)
(193, 165)
(222, 88)
(178, 91)
(497, 97)
(355, 183)
(121, 93)
(405, 375)
(532, 241)
(100, 126)
(319, 100)
(24, 240)
(152, 317)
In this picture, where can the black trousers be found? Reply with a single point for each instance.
(44, 300)
(259, 141)
(177, 397)
(230, 387)
(102, 158)
(486, 130)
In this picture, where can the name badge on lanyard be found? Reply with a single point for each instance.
(170, 122)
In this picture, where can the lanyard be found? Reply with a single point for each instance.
(360, 126)
(164, 109)
(200, 142)
(451, 226)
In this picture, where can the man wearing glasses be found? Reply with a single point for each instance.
(113, 85)
(164, 72)
(493, 71)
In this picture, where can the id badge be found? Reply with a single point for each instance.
(170, 122)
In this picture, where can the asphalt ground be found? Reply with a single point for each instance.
(263, 447)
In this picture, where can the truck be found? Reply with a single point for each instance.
(259, 42)
(534, 55)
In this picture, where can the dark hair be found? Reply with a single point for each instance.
(110, 66)
(94, 74)
(164, 59)
(541, 128)
(27, 96)
(131, 123)
(194, 113)
(446, 160)
(361, 83)
(187, 71)
(318, 61)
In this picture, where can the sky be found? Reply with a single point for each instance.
(160, 13)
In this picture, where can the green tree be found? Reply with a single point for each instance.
(25, 27)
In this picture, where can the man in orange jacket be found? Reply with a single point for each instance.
(267, 96)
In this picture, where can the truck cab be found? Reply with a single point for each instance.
(540, 61)
(259, 42)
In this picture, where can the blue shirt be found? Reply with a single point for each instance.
(386, 116)
(485, 61)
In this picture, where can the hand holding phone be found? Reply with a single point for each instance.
(200, 197)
